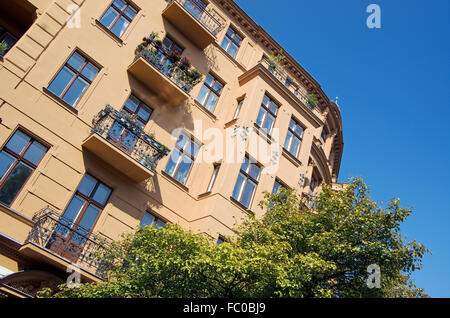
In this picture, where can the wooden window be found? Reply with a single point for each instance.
(18, 159)
(73, 79)
(267, 114)
(247, 182)
(238, 109)
(213, 177)
(294, 138)
(80, 217)
(182, 158)
(123, 137)
(8, 39)
(231, 42)
(118, 17)
(152, 221)
(210, 93)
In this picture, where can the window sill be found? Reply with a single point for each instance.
(174, 181)
(109, 32)
(204, 195)
(241, 206)
(58, 100)
(231, 123)
(291, 158)
(203, 109)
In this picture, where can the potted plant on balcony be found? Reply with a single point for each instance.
(193, 77)
(184, 64)
(174, 57)
(158, 44)
(312, 101)
(3, 47)
(275, 61)
(154, 36)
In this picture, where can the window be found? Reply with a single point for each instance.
(122, 137)
(210, 92)
(238, 109)
(118, 17)
(267, 114)
(195, 7)
(73, 79)
(169, 46)
(83, 210)
(182, 158)
(18, 159)
(315, 181)
(231, 42)
(134, 106)
(246, 183)
(294, 138)
(8, 39)
(152, 221)
(277, 187)
(220, 241)
(213, 178)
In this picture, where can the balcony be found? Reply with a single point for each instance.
(56, 241)
(192, 19)
(308, 100)
(119, 141)
(153, 67)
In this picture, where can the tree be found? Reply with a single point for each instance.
(292, 251)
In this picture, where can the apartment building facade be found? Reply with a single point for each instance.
(116, 114)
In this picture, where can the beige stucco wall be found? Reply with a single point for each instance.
(38, 56)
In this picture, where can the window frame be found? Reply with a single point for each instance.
(213, 179)
(183, 152)
(121, 14)
(155, 221)
(237, 112)
(3, 33)
(267, 111)
(20, 158)
(232, 40)
(294, 135)
(211, 90)
(245, 182)
(87, 61)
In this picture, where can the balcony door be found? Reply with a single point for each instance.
(195, 7)
(122, 137)
(76, 224)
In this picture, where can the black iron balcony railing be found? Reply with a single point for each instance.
(197, 9)
(122, 131)
(185, 79)
(70, 241)
(307, 99)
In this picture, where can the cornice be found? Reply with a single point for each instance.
(261, 36)
(260, 71)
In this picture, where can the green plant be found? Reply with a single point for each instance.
(193, 77)
(312, 100)
(3, 47)
(275, 60)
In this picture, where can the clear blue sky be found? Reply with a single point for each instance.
(393, 84)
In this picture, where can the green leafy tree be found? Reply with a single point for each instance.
(292, 251)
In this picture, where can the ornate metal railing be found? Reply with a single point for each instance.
(72, 242)
(161, 60)
(281, 75)
(122, 131)
(198, 11)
